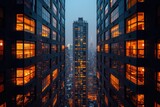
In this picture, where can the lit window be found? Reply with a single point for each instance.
(98, 48)
(158, 81)
(156, 104)
(25, 23)
(132, 50)
(63, 48)
(135, 74)
(55, 74)
(24, 76)
(115, 31)
(22, 100)
(135, 22)
(3, 105)
(112, 2)
(140, 100)
(54, 48)
(106, 100)
(25, 50)
(106, 48)
(55, 100)
(45, 99)
(1, 49)
(46, 15)
(158, 50)
(131, 3)
(46, 82)
(45, 31)
(115, 14)
(114, 82)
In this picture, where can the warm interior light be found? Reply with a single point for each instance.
(1, 42)
(142, 69)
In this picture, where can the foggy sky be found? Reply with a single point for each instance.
(85, 9)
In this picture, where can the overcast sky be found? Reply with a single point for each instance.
(81, 8)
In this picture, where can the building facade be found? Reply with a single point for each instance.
(32, 39)
(128, 44)
(80, 57)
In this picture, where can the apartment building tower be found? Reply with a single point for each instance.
(80, 58)
(128, 53)
(32, 42)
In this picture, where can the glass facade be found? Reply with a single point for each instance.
(25, 23)
(24, 76)
(25, 49)
(135, 22)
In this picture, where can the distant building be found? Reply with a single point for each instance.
(128, 53)
(32, 39)
(80, 57)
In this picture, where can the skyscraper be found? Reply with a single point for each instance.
(80, 57)
(32, 39)
(128, 44)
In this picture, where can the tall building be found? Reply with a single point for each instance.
(32, 38)
(69, 76)
(80, 57)
(128, 53)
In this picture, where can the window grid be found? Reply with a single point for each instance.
(135, 22)
(25, 49)
(115, 14)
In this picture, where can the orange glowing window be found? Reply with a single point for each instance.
(135, 74)
(54, 48)
(3, 105)
(25, 50)
(140, 100)
(55, 74)
(106, 48)
(63, 47)
(114, 82)
(45, 31)
(24, 76)
(156, 104)
(158, 50)
(22, 100)
(98, 48)
(115, 31)
(1, 49)
(158, 81)
(55, 100)
(45, 99)
(135, 22)
(135, 48)
(106, 100)
(25, 23)
(46, 82)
